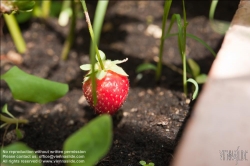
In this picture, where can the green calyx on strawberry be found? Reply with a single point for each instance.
(112, 85)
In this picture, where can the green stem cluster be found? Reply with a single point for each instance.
(181, 40)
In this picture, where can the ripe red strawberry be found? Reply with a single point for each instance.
(111, 91)
(112, 86)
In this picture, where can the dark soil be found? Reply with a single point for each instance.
(147, 126)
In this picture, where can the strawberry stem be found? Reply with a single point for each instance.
(91, 32)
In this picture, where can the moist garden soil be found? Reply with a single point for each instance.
(150, 123)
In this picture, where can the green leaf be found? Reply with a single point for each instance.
(25, 6)
(5, 110)
(119, 61)
(55, 9)
(177, 18)
(23, 17)
(202, 42)
(118, 70)
(11, 6)
(3, 125)
(102, 56)
(201, 79)
(143, 162)
(19, 134)
(145, 66)
(194, 67)
(30, 88)
(86, 67)
(19, 147)
(94, 139)
(195, 38)
(212, 9)
(101, 74)
(218, 26)
(195, 93)
(151, 164)
(167, 6)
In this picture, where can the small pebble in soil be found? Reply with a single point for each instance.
(18, 109)
(149, 91)
(155, 50)
(82, 100)
(188, 101)
(134, 110)
(175, 117)
(161, 93)
(59, 107)
(156, 58)
(125, 114)
(116, 142)
(162, 123)
(142, 93)
(181, 119)
(70, 122)
(50, 52)
(14, 57)
(177, 111)
(182, 103)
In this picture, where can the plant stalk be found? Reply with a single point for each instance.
(92, 33)
(167, 6)
(98, 21)
(15, 33)
(12, 120)
(212, 9)
(46, 8)
(93, 79)
(70, 37)
(184, 61)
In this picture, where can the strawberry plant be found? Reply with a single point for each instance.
(112, 85)
(106, 85)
